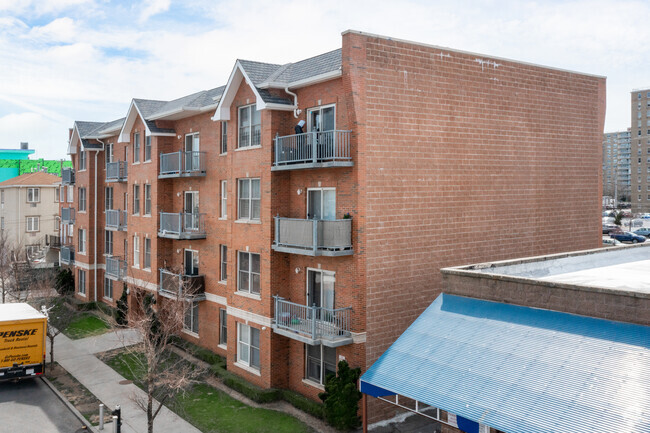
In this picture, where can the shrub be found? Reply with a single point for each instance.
(64, 282)
(303, 403)
(341, 397)
(121, 313)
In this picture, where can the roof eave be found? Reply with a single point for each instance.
(331, 75)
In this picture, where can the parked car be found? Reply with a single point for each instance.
(637, 223)
(643, 231)
(645, 216)
(609, 228)
(627, 237)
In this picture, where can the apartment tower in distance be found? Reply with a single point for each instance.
(309, 247)
(640, 151)
(616, 165)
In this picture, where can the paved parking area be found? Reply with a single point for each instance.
(30, 406)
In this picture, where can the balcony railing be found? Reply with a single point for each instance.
(313, 237)
(67, 255)
(182, 225)
(312, 325)
(173, 285)
(182, 164)
(312, 150)
(67, 176)
(116, 219)
(67, 215)
(115, 268)
(53, 241)
(116, 171)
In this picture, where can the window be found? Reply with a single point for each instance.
(249, 126)
(57, 223)
(109, 153)
(249, 199)
(136, 251)
(57, 195)
(82, 160)
(82, 240)
(108, 244)
(108, 288)
(249, 272)
(33, 195)
(70, 193)
(82, 200)
(147, 253)
(321, 361)
(108, 204)
(191, 321)
(223, 327)
(2, 196)
(147, 199)
(224, 263)
(136, 147)
(147, 148)
(136, 199)
(82, 282)
(31, 251)
(32, 223)
(248, 348)
(224, 199)
(224, 137)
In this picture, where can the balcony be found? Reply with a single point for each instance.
(53, 241)
(182, 225)
(116, 219)
(115, 268)
(67, 215)
(67, 255)
(313, 237)
(67, 176)
(178, 286)
(312, 325)
(116, 171)
(312, 150)
(182, 164)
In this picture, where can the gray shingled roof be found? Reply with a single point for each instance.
(86, 128)
(148, 108)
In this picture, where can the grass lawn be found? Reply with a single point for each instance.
(87, 325)
(213, 411)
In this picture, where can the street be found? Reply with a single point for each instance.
(30, 406)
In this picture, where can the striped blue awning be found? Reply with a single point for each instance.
(520, 369)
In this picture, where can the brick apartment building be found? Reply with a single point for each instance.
(310, 248)
(616, 165)
(640, 150)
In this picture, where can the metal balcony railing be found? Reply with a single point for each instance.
(116, 171)
(313, 149)
(182, 225)
(312, 325)
(53, 241)
(67, 255)
(313, 237)
(182, 164)
(115, 268)
(67, 176)
(67, 215)
(173, 285)
(116, 219)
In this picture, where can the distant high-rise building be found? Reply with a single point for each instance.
(640, 151)
(616, 165)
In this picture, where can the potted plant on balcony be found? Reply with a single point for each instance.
(347, 216)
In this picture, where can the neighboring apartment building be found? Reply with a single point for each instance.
(616, 165)
(308, 248)
(29, 213)
(14, 162)
(640, 151)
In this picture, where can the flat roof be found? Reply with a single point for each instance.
(618, 269)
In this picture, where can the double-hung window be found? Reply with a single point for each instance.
(147, 199)
(33, 195)
(147, 253)
(57, 195)
(108, 244)
(223, 327)
(81, 287)
(136, 147)
(109, 154)
(82, 160)
(81, 237)
(224, 199)
(32, 223)
(249, 272)
(147, 148)
(136, 251)
(248, 347)
(321, 361)
(82, 199)
(224, 137)
(191, 321)
(249, 199)
(70, 194)
(108, 288)
(224, 263)
(109, 198)
(136, 199)
(250, 131)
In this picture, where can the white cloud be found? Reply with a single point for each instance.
(60, 30)
(153, 7)
(44, 135)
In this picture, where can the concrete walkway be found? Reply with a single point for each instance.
(78, 358)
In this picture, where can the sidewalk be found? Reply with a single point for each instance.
(77, 357)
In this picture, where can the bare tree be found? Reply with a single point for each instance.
(7, 254)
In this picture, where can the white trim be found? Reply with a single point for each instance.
(304, 82)
(188, 332)
(247, 316)
(222, 346)
(279, 107)
(89, 267)
(147, 285)
(129, 121)
(247, 368)
(248, 295)
(239, 149)
(313, 384)
(221, 300)
(358, 337)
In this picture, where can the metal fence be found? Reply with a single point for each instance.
(314, 147)
(181, 286)
(116, 219)
(182, 224)
(116, 171)
(67, 176)
(182, 163)
(67, 215)
(67, 254)
(52, 241)
(115, 267)
(315, 322)
(313, 234)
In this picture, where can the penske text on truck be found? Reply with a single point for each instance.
(22, 341)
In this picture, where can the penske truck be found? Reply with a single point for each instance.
(22, 341)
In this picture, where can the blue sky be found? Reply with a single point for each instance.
(66, 60)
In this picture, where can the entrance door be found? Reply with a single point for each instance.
(321, 204)
(191, 210)
(322, 121)
(192, 152)
(320, 288)
(191, 262)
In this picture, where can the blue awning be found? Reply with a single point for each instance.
(520, 369)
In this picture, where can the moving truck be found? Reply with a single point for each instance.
(22, 341)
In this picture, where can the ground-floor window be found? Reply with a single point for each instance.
(248, 348)
(108, 288)
(191, 322)
(321, 361)
(82, 282)
(223, 327)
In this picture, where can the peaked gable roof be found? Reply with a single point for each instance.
(37, 178)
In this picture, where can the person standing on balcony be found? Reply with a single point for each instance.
(299, 126)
